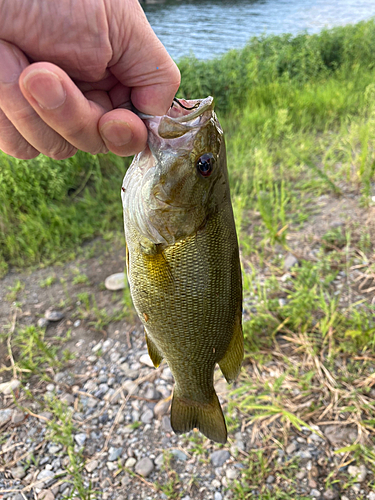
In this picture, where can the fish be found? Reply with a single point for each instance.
(182, 259)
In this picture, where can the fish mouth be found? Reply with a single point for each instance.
(164, 131)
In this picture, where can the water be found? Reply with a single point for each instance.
(211, 27)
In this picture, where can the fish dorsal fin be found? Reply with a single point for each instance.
(230, 364)
(153, 352)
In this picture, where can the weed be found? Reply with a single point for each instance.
(47, 282)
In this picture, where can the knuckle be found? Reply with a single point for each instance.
(62, 152)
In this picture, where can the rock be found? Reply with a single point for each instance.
(359, 473)
(18, 472)
(46, 475)
(290, 261)
(80, 438)
(5, 416)
(147, 416)
(218, 496)
(50, 387)
(114, 454)
(339, 435)
(77, 323)
(270, 479)
(312, 483)
(219, 457)
(9, 387)
(91, 466)
(130, 387)
(179, 455)
(146, 360)
(144, 467)
(356, 487)
(291, 448)
(371, 495)
(331, 494)
(67, 398)
(115, 282)
(159, 460)
(304, 454)
(315, 493)
(42, 322)
(111, 466)
(301, 475)
(166, 423)
(18, 417)
(344, 497)
(46, 495)
(162, 407)
(130, 462)
(231, 473)
(53, 315)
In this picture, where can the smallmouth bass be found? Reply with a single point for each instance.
(183, 260)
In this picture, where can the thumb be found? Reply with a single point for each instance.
(141, 62)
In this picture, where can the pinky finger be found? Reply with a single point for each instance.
(12, 143)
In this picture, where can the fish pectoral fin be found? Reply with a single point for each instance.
(153, 352)
(207, 417)
(230, 364)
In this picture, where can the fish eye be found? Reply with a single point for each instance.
(205, 164)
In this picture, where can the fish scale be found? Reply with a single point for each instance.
(187, 291)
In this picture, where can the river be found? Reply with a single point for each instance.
(207, 28)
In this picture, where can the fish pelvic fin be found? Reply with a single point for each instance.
(187, 414)
(230, 364)
(153, 352)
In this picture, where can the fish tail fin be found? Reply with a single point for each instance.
(187, 414)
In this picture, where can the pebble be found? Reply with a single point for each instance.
(301, 474)
(159, 460)
(52, 315)
(218, 496)
(219, 457)
(359, 473)
(166, 423)
(18, 417)
(179, 455)
(80, 438)
(42, 322)
(231, 474)
(18, 472)
(50, 387)
(47, 475)
(5, 416)
(46, 495)
(339, 435)
(144, 467)
(315, 493)
(147, 416)
(331, 494)
(270, 479)
(356, 487)
(130, 462)
(9, 387)
(290, 261)
(162, 407)
(77, 323)
(146, 360)
(115, 282)
(114, 454)
(91, 466)
(371, 495)
(291, 448)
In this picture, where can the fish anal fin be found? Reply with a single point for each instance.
(230, 364)
(207, 417)
(153, 352)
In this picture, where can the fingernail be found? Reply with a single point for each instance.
(46, 88)
(117, 133)
(10, 67)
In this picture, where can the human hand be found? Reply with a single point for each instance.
(69, 71)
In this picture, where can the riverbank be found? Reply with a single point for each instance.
(299, 118)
